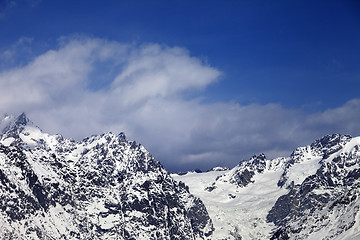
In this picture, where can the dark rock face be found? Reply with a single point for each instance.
(333, 191)
(322, 148)
(242, 175)
(247, 169)
(104, 187)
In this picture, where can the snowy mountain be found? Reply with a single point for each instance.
(107, 187)
(312, 194)
(103, 187)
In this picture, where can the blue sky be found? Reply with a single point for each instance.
(256, 76)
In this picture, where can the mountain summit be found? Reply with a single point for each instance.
(15, 131)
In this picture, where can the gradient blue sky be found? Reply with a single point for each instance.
(302, 57)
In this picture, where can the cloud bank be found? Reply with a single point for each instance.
(153, 92)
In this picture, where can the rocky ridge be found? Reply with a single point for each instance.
(104, 187)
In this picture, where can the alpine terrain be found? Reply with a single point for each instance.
(312, 194)
(103, 187)
(107, 187)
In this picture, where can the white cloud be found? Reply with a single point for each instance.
(145, 98)
(155, 71)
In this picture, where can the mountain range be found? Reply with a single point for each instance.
(108, 187)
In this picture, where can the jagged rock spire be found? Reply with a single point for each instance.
(22, 119)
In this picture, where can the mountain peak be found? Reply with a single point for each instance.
(9, 122)
(330, 144)
(16, 124)
(22, 119)
(19, 130)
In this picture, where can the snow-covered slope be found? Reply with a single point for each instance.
(238, 199)
(312, 194)
(104, 187)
